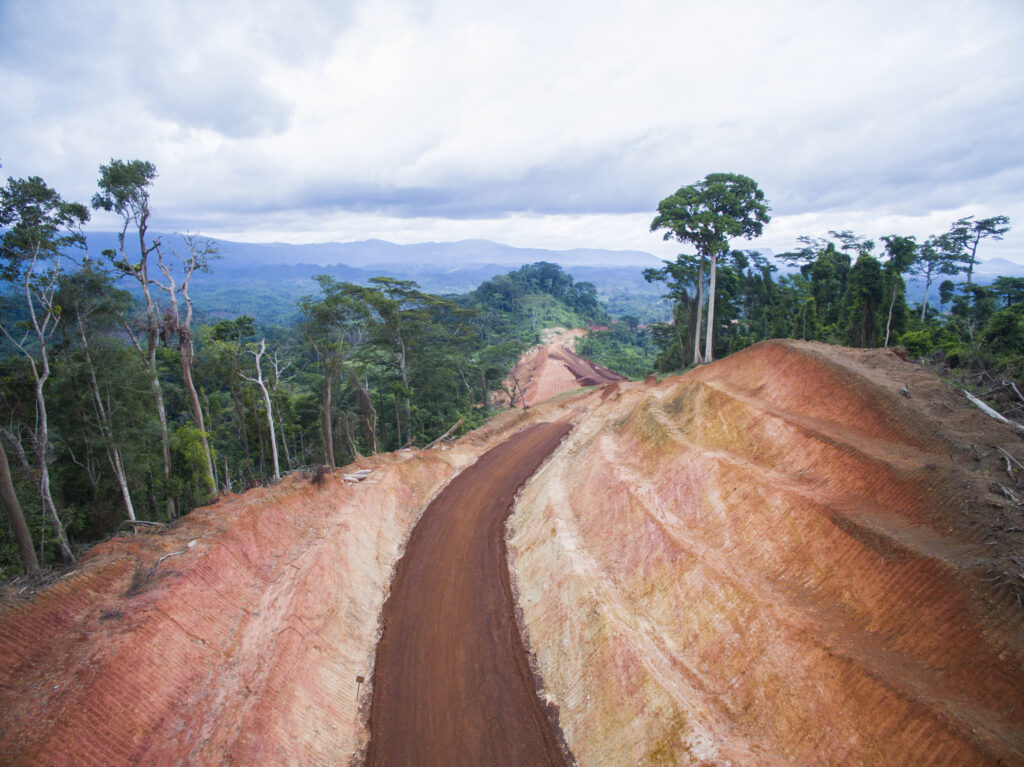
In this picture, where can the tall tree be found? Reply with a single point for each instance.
(200, 251)
(400, 306)
(684, 280)
(937, 255)
(968, 234)
(335, 325)
(708, 214)
(124, 189)
(226, 339)
(1009, 289)
(85, 296)
(862, 301)
(40, 225)
(902, 252)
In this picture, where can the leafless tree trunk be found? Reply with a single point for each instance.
(927, 285)
(140, 272)
(258, 380)
(708, 350)
(103, 417)
(403, 368)
(888, 322)
(26, 553)
(42, 327)
(326, 422)
(700, 314)
(279, 369)
(197, 260)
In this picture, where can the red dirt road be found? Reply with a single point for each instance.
(553, 368)
(452, 682)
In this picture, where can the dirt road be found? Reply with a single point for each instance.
(452, 683)
(553, 368)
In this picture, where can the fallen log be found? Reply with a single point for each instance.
(456, 425)
(992, 413)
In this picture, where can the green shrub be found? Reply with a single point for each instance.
(918, 343)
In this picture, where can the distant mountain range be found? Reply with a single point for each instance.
(266, 279)
(375, 254)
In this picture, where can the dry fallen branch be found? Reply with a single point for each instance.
(152, 570)
(1013, 386)
(1008, 493)
(357, 476)
(142, 523)
(1010, 458)
(456, 425)
(992, 413)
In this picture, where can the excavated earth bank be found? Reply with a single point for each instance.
(235, 637)
(779, 560)
(553, 367)
(776, 559)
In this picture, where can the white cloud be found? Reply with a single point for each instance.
(520, 121)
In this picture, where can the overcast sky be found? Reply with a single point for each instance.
(552, 124)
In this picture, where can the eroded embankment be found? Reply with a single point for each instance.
(774, 560)
(234, 637)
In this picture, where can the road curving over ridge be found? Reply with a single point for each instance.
(800, 554)
(452, 680)
(553, 367)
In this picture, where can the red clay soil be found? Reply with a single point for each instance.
(801, 554)
(232, 638)
(553, 368)
(452, 681)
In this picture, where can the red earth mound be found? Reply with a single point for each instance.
(779, 558)
(553, 368)
(244, 634)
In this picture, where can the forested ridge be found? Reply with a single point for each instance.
(850, 290)
(123, 408)
(120, 409)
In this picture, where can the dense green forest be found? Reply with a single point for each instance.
(119, 408)
(847, 292)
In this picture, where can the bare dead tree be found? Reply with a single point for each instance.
(258, 380)
(200, 251)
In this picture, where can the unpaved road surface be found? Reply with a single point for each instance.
(452, 682)
(553, 368)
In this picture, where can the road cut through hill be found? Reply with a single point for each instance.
(553, 368)
(452, 680)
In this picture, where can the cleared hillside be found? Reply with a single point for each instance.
(778, 559)
(552, 368)
(775, 559)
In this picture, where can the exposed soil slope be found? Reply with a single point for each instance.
(452, 683)
(241, 647)
(235, 637)
(553, 368)
(778, 559)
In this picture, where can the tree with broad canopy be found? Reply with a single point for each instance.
(707, 215)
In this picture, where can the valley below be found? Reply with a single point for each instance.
(800, 554)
